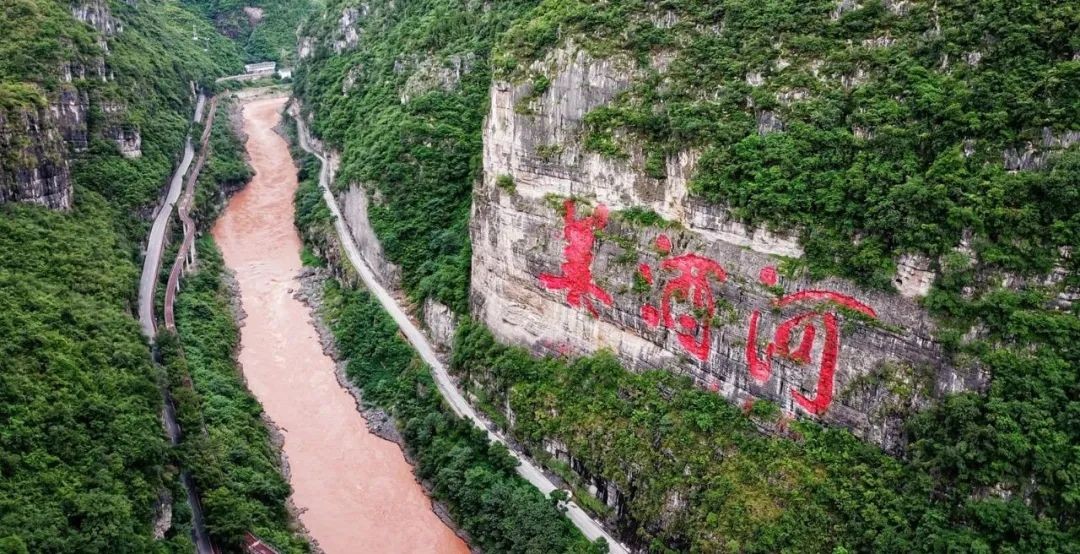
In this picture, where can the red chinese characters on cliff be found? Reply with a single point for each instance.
(688, 305)
(804, 324)
(577, 277)
(692, 282)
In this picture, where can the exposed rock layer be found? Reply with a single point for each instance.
(885, 366)
(40, 143)
(34, 167)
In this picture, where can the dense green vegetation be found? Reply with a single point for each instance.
(699, 476)
(419, 158)
(264, 29)
(82, 454)
(151, 63)
(877, 109)
(226, 168)
(81, 447)
(226, 444)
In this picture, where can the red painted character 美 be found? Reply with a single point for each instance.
(761, 366)
(692, 282)
(577, 277)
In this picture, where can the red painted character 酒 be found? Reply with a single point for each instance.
(577, 277)
(691, 283)
(761, 366)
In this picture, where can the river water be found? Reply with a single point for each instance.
(355, 491)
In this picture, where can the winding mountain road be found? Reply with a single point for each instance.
(187, 247)
(155, 243)
(147, 284)
(588, 526)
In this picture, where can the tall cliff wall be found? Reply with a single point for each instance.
(42, 138)
(34, 167)
(695, 292)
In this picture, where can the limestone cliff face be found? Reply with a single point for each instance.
(40, 143)
(34, 167)
(353, 203)
(96, 13)
(696, 293)
(354, 207)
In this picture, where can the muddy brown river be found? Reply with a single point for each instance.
(355, 491)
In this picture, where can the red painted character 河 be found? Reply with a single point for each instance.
(577, 277)
(693, 283)
(804, 323)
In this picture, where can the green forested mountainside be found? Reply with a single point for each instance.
(900, 128)
(81, 444)
(895, 116)
(153, 59)
(233, 462)
(38, 37)
(700, 477)
(82, 451)
(150, 64)
(264, 29)
(418, 157)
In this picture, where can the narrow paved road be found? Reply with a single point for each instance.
(183, 208)
(199, 108)
(156, 242)
(147, 283)
(588, 526)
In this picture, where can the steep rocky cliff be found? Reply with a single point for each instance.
(42, 140)
(35, 165)
(650, 277)
(668, 258)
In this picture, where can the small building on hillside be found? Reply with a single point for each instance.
(262, 68)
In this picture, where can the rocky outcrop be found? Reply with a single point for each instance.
(432, 74)
(118, 130)
(1033, 155)
(96, 13)
(348, 33)
(40, 142)
(441, 324)
(34, 166)
(561, 265)
(354, 207)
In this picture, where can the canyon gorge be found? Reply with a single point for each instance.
(539, 276)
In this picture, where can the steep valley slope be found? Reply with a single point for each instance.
(757, 276)
(95, 100)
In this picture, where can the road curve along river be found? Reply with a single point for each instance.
(526, 468)
(355, 491)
